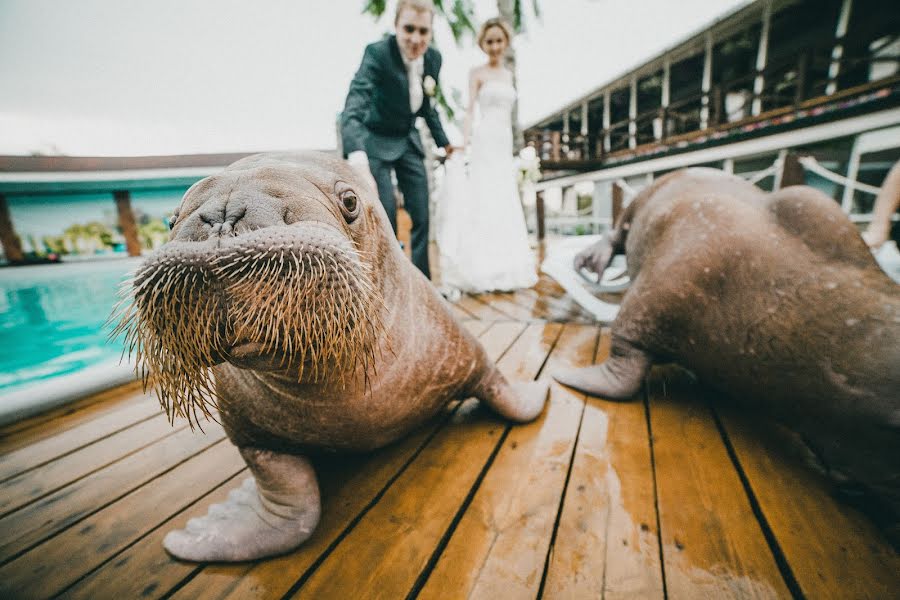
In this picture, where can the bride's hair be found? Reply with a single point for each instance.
(495, 22)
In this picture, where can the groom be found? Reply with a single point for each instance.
(395, 84)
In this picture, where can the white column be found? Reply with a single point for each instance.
(606, 121)
(585, 144)
(664, 101)
(632, 113)
(761, 55)
(706, 83)
(667, 68)
(728, 165)
(838, 51)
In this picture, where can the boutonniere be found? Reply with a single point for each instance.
(429, 85)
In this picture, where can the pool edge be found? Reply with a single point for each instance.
(41, 397)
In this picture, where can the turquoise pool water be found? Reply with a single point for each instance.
(53, 318)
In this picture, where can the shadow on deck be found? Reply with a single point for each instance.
(664, 496)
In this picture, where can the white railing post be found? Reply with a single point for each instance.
(606, 122)
(706, 82)
(837, 52)
(632, 114)
(761, 55)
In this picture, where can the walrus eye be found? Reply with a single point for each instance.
(349, 205)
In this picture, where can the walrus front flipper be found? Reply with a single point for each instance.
(270, 515)
(521, 401)
(619, 378)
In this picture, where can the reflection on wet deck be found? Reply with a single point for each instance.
(665, 496)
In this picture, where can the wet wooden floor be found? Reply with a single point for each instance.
(662, 497)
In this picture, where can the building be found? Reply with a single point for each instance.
(819, 79)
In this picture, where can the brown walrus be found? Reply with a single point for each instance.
(284, 298)
(772, 298)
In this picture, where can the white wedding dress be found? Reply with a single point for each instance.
(481, 232)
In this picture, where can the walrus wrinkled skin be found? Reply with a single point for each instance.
(284, 299)
(772, 298)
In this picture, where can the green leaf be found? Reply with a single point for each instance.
(375, 8)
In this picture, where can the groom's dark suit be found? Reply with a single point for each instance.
(377, 118)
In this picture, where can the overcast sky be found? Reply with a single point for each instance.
(115, 77)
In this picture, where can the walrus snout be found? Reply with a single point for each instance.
(293, 297)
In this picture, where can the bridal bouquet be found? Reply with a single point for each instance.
(528, 166)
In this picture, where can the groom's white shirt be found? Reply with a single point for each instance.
(414, 70)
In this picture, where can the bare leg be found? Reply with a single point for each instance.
(521, 401)
(269, 515)
(619, 378)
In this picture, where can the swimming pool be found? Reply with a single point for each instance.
(53, 317)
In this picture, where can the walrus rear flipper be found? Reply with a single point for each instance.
(521, 401)
(619, 378)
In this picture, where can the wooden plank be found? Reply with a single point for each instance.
(480, 310)
(477, 328)
(713, 546)
(347, 495)
(48, 478)
(385, 554)
(607, 544)
(502, 302)
(347, 492)
(48, 568)
(500, 337)
(459, 312)
(500, 546)
(29, 431)
(36, 522)
(563, 309)
(833, 550)
(53, 447)
(536, 305)
(145, 570)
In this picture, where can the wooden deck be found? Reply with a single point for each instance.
(663, 497)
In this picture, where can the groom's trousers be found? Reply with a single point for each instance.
(413, 183)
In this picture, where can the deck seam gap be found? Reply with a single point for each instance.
(493, 308)
(181, 584)
(3, 515)
(540, 370)
(470, 313)
(148, 533)
(422, 579)
(73, 450)
(662, 559)
(781, 561)
(46, 417)
(562, 498)
(27, 549)
(311, 569)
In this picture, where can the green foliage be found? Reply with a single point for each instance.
(459, 14)
(375, 8)
(153, 233)
(461, 19)
(442, 101)
(94, 231)
(54, 244)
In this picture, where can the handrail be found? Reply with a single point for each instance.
(811, 164)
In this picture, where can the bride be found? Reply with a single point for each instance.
(482, 237)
